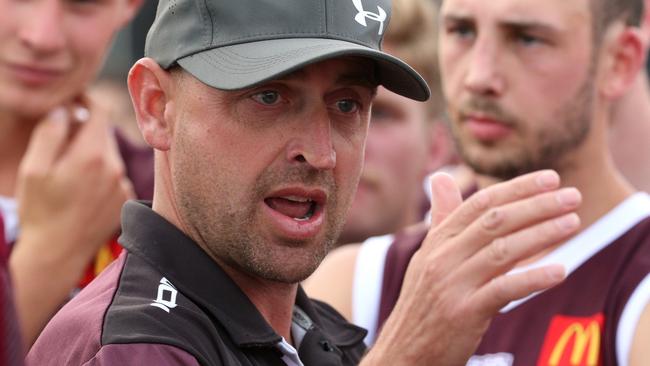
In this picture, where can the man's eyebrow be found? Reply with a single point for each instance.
(513, 24)
(529, 25)
(457, 18)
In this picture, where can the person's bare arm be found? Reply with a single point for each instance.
(457, 281)
(70, 190)
(639, 353)
(333, 280)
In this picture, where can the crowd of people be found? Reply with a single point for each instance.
(349, 182)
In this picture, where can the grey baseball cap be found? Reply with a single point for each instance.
(236, 44)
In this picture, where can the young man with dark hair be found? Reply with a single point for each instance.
(531, 85)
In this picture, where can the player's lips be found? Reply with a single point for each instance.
(486, 128)
(296, 212)
(33, 74)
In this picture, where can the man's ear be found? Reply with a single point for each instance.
(625, 50)
(150, 89)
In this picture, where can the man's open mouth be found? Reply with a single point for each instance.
(296, 212)
(296, 207)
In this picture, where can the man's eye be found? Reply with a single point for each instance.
(83, 2)
(461, 30)
(267, 97)
(527, 39)
(347, 106)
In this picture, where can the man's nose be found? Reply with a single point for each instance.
(313, 142)
(43, 29)
(484, 68)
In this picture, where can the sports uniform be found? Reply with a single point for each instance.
(591, 317)
(10, 347)
(166, 302)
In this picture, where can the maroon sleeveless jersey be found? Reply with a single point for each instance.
(11, 351)
(589, 319)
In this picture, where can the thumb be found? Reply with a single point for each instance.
(445, 197)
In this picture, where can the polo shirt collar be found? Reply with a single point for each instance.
(198, 277)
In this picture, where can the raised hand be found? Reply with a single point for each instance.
(70, 190)
(458, 279)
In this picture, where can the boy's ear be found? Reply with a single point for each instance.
(150, 89)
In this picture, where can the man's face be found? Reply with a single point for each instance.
(51, 49)
(517, 77)
(390, 194)
(263, 177)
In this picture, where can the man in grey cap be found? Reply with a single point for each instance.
(258, 111)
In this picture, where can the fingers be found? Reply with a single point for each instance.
(500, 223)
(497, 195)
(82, 175)
(93, 146)
(505, 252)
(445, 197)
(504, 289)
(46, 143)
(91, 135)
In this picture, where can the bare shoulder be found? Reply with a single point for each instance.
(639, 353)
(332, 281)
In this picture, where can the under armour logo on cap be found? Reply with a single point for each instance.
(361, 17)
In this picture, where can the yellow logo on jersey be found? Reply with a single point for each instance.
(572, 341)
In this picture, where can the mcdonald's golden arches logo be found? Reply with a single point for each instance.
(573, 341)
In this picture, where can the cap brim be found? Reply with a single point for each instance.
(248, 64)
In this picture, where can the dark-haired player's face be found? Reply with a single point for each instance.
(518, 76)
(51, 49)
(398, 157)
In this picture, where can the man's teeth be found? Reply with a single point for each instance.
(309, 214)
(296, 198)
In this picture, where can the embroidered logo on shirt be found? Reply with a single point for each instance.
(573, 341)
(166, 298)
(361, 17)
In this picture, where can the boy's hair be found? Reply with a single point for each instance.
(412, 36)
(606, 12)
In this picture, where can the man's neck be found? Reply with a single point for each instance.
(630, 134)
(14, 139)
(273, 300)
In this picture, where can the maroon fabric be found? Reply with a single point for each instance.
(3, 242)
(138, 162)
(141, 354)
(598, 289)
(84, 312)
(595, 293)
(397, 259)
(10, 342)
